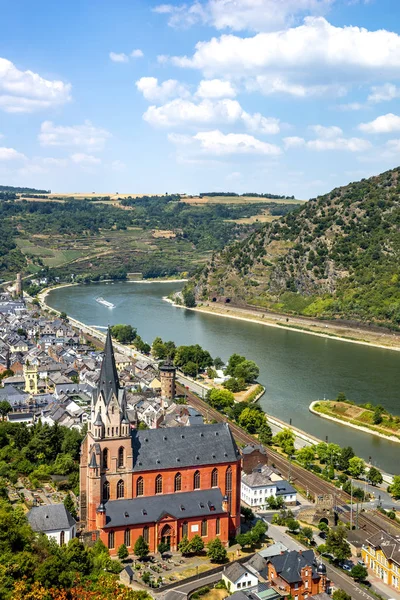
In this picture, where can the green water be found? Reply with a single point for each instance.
(295, 368)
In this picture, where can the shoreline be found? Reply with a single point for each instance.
(389, 438)
(252, 317)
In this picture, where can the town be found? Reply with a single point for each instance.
(165, 488)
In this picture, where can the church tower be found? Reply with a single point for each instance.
(106, 452)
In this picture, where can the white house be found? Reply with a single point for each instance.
(263, 483)
(54, 520)
(237, 577)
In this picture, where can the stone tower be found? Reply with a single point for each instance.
(31, 378)
(106, 452)
(18, 286)
(167, 378)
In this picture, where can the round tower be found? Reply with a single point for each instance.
(167, 378)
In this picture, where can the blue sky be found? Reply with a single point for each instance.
(283, 96)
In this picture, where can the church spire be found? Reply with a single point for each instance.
(108, 382)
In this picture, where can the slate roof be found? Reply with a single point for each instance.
(283, 488)
(289, 564)
(108, 382)
(157, 449)
(389, 545)
(52, 517)
(234, 571)
(150, 509)
(251, 448)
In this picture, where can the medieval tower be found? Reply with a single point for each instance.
(167, 378)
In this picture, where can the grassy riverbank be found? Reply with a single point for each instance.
(374, 420)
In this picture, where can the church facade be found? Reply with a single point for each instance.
(163, 484)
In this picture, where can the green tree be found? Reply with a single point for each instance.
(394, 489)
(243, 539)
(285, 439)
(306, 455)
(307, 532)
(341, 595)
(5, 408)
(184, 546)
(122, 552)
(141, 547)
(346, 454)
(162, 548)
(265, 434)
(247, 370)
(359, 573)
(375, 476)
(341, 397)
(233, 362)
(293, 525)
(251, 419)
(218, 362)
(356, 467)
(189, 298)
(220, 399)
(216, 551)
(377, 415)
(124, 334)
(336, 543)
(246, 513)
(70, 505)
(190, 369)
(196, 545)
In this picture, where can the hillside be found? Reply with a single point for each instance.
(337, 256)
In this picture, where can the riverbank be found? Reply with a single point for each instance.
(391, 438)
(338, 332)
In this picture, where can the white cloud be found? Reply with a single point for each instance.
(293, 142)
(350, 106)
(215, 88)
(54, 162)
(383, 93)
(329, 132)
(180, 112)
(394, 145)
(217, 143)
(137, 53)
(118, 58)
(85, 159)
(383, 124)
(160, 92)
(340, 143)
(84, 136)
(10, 154)
(118, 165)
(26, 91)
(257, 15)
(302, 60)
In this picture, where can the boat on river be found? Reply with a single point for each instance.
(105, 302)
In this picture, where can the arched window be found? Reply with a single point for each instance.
(105, 458)
(204, 527)
(228, 487)
(159, 484)
(139, 487)
(196, 480)
(178, 482)
(120, 489)
(121, 457)
(214, 478)
(184, 529)
(127, 537)
(106, 491)
(112, 431)
(218, 526)
(62, 538)
(111, 539)
(146, 534)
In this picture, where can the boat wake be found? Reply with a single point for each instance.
(105, 302)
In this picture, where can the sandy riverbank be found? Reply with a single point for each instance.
(338, 332)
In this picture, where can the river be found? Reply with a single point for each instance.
(295, 368)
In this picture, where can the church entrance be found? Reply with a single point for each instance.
(166, 535)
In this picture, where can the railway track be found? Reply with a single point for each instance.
(308, 481)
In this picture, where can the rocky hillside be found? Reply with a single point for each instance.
(337, 256)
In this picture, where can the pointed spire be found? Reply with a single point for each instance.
(109, 381)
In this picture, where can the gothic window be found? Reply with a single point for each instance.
(106, 491)
(214, 478)
(120, 489)
(62, 538)
(146, 534)
(196, 480)
(111, 540)
(112, 431)
(139, 487)
(178, 482)
(121, 457)
(228, 487)
(184, 529)
(127, 537)
(218, 526)
(159, 484)
(204, 527)
(105, 458)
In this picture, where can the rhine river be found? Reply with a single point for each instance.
(295, 368)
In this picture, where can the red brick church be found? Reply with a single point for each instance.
(163, 484)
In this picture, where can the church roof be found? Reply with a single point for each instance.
(108, 382)
(150, 509)
(176, 447)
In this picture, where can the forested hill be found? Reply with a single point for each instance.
(336, 256)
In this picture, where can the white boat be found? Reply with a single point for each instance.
(105, 302)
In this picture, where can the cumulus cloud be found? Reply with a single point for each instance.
(118, 165)
(118, 57)
(26, 91)
(160, 92)
(257, 15)
(217, 143)
(215, 88)
(85, 160)
(339, 143)
(329, 132)
(7, 154)
(180, 112)
(137, 53)
(383, 93)
(383, 124)
(84, 136)
(293, 142)
(301, 60)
